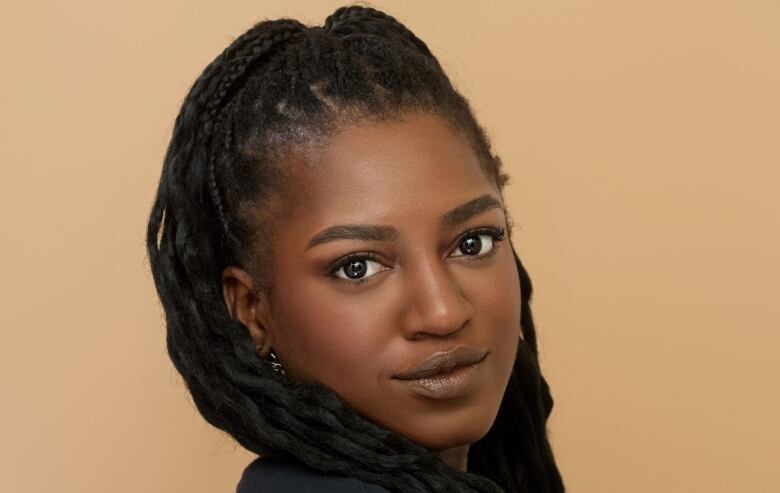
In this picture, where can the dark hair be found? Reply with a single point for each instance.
(280, 85)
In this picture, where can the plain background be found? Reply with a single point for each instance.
(642, 139)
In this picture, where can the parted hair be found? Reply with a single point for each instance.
(280, 85)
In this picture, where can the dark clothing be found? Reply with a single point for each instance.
(284, 474)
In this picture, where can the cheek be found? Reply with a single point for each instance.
(327, 336)
(496, 298)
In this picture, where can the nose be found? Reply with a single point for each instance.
(434, 303)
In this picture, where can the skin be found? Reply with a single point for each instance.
(422, 292)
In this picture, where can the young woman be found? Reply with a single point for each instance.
(331, 247)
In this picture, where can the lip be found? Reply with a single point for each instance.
(443, 362)
(446, 375)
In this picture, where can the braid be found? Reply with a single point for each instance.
(276, 84)
(236, 62)
(354, 20)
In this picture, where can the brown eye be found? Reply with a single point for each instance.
(471, 245)
(478, 243)
(356, 268)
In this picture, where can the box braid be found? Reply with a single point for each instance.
(279, 85)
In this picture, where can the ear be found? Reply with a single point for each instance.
(247, 306)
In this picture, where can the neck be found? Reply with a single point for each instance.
(456, 457)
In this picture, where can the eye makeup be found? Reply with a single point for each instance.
(496, 235)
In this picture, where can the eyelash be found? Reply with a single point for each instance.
(497, 235)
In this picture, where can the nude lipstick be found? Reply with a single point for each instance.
(446, 374)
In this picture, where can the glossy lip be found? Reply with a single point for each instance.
(443, 362)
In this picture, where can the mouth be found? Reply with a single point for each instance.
(443, 362)
(446, 374)
(457, 382)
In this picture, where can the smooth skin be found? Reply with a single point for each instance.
(424, 291)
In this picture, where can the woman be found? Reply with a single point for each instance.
(331, 248)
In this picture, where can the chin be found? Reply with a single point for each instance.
(445, 432)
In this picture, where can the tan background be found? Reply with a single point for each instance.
(642, 138)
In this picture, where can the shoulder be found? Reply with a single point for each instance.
(287, 475)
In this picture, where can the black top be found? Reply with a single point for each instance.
(285, 474)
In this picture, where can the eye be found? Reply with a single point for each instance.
(360, 267)
(479, 243)
(355, 268)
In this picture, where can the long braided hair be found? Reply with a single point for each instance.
(279, 85)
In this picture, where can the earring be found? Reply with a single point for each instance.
(275, 364)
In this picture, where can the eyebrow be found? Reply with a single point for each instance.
(374, 232)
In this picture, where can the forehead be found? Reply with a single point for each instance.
(378, 171)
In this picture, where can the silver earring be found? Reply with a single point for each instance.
(276, 365)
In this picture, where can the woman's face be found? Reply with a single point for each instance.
(436, 278)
